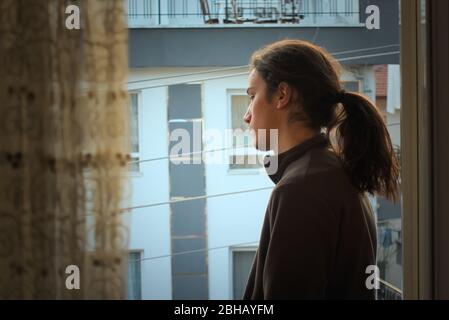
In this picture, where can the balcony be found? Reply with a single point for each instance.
(388, 292)
(242, 13)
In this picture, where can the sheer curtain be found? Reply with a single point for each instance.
(64, 148)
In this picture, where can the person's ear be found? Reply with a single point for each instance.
(284, 95)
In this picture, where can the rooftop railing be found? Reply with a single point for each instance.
(158, 13)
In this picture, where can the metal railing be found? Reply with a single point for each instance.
(206, 12)
(387, 291)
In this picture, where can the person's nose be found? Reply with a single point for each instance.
(247, 116)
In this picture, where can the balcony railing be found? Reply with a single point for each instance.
(158, 13)
(388, 292)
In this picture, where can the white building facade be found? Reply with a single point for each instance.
(195, 227)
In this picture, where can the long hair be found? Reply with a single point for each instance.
(362, 141)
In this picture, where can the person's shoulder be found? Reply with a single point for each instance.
(315, 163)
(324, 170)
(298, 199)
(293, 190)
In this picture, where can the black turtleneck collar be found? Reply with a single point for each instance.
(292, 154)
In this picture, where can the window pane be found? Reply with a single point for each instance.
(134, 276)
(239, 105)
(241, 137)
(241, 266)
(134, 165)
(134, 122)
(389, 224)
(200, 75)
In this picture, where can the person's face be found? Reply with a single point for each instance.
(261, 113)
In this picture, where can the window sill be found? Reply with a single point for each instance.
(245, 172)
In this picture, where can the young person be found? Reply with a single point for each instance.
(318, 238)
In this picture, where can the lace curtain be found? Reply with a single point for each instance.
(64, 148)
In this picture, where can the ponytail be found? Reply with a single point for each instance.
(364, 146)
(362, 140)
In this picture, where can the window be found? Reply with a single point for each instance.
(134, 276)
(353, 86)
(330, 12)
(206, 84)
(134, 129)
(145, 13)
(242, 157)
(242, 260)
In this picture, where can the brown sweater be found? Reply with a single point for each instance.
(319, 233)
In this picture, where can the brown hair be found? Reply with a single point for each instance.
(362, 140)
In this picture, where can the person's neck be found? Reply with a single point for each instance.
(292, 135)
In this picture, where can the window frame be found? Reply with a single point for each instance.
(141, 253)
(136, 156)
(229, 142)
(416, 162)
(233, 249)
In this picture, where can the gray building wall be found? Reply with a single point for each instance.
(188, 218)
(232, 46)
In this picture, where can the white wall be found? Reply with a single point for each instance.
(150, 227)
(231, 219)
(393, 121)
